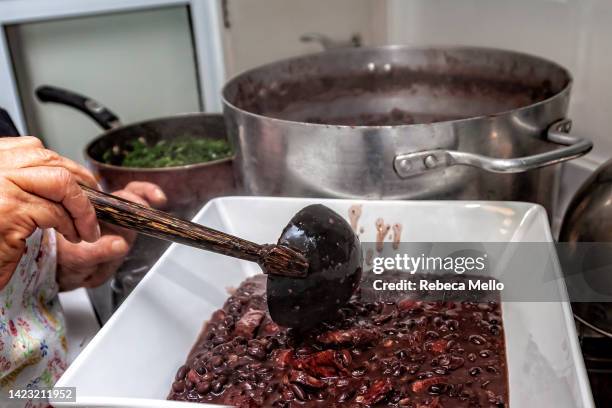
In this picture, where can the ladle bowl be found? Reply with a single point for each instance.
(334, 256)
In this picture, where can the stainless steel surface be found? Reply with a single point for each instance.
(589, 219)
(328, 43)
(589, 215)
(288, 123)
(411, 164)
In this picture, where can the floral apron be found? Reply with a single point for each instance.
(32, 331)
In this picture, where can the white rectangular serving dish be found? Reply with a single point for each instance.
(133, 359)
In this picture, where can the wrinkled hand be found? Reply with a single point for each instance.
(90, 264)
(39, 189)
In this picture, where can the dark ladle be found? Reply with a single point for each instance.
(335, 261)
(312, 270)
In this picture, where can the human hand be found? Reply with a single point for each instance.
(39, 189)
(91, 264)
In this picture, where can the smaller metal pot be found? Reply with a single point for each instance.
(187, 187)
(589, 219)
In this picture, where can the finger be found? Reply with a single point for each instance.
(127, 234)
(149, 191)
(71, 272)
(128, 195)
(59, 185)
(23, 157)
(103, 273)
(46, 214)
(68, 283)
(87, 254)
(89, 264)
(7, 143)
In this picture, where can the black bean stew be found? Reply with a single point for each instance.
(406, 353)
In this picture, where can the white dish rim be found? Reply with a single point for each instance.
(94, 401)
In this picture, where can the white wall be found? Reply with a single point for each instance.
(268, 30)
(140, 64)
(575, 33)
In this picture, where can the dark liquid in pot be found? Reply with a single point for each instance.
(401, 96)
(396, 117)
(403, 353)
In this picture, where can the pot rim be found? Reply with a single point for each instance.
(566, 89)
(185, 167)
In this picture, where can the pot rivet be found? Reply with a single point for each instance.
(430, 162)
(405, 164)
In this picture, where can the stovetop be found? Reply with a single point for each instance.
(597, 354)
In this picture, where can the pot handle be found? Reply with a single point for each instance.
(411, 164)
(92, 108)
(7, 126)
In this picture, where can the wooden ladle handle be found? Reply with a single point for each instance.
(275, 259)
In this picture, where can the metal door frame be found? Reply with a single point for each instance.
(206, 30)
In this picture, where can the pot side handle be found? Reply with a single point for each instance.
(95, 110)
(411, 164)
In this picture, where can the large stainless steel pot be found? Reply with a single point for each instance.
(403, 123)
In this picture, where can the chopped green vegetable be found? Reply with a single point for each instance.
(168, 153)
